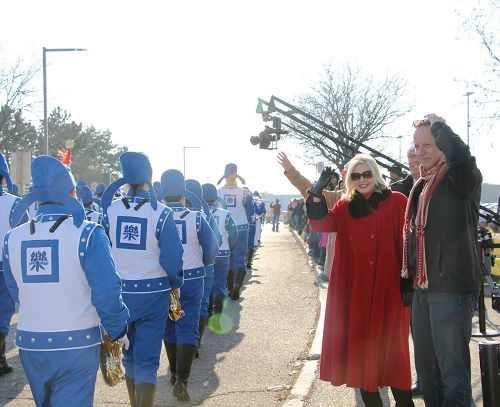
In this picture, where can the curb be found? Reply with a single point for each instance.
(308, 373)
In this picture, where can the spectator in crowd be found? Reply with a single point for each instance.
(332, 194)
(365, 340)
(441, 255)
(395, 173)
(276, 207)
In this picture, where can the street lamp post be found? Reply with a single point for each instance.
(468, 119)
(184, 158)
(45, 120)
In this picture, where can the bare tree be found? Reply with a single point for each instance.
(481, 18)
(357, 104)
(16, 91)
(16, 98)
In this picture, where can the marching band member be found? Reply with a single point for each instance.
(240, 204)
(148, 256)
(60, 270)
(229, 232)
(200, 248)
(85, 196)
(7, 307)
(195, 187)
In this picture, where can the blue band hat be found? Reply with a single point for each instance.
(99, 189)
(172, 184)
(229, 170)
(81, 183)
(195, 187)
(84, 194)
(136, 169)
(4, 172)
(157, 188)
(52, 182)
(210, 194)
(256, 195)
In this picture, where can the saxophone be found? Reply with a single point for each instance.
(175, 312)
(110, 355)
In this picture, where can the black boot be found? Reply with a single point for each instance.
(230, 281)
(402, 397)
(131, 390)
(211, 305)
(201, 329)
(185, 357)
(171, 349)
(217, 312)
(218, 304)
(238, 282)
(145, 394)
(249, 258)
(4, 366)
(371, 398)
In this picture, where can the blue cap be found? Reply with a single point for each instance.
(172, 184)
(229, 170)
(52, 182)
(195, 187)
(4, 172)
(136, 169)
(256, 194)
(210, 194)
(81, 183)
(100, 188)
(157, 188)
(84, 194)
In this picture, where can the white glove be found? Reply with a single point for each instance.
(124, 341)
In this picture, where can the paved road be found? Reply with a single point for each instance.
(256, 362)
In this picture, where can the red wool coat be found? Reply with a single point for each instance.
(366, 332)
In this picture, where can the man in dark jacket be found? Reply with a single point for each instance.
(442, 254)
(405, 185)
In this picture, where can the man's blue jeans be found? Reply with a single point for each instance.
(276, 222)
(442, 326)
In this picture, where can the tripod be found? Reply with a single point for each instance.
(483, 331)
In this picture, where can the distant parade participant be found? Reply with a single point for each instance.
(148, 256)
(252, 230)
(8, 202)
(60, 270)
(99, 190)
(229, 232)
(84, 194)
(239, 202)
(200, 248)
(261, 209)
(195, 187)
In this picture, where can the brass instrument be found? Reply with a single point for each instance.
(110, 364)
(175, 312)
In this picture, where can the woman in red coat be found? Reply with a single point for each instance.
(365, 340)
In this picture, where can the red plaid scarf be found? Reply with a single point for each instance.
(431, 179)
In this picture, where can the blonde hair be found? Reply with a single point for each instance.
(350, 186)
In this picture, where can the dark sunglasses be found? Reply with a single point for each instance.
(421, 122)
(356, 176)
